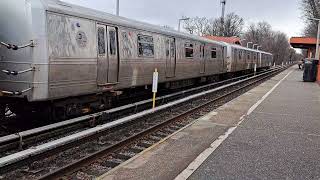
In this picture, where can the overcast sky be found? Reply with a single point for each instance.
(283, 15)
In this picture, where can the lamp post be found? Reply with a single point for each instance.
(318, 36)
(118, 8)
(182, 19)
(241, 40)
(248, 44)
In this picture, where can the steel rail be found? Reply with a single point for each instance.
(93, 132)
(14, 140)
(76, 166)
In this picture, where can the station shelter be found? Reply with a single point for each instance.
(308, 43)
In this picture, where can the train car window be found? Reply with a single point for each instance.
(101, 41)
(240, 55)
(213, 53)
(248, 56)
(145, 46)
(189, 50)
(112, 42)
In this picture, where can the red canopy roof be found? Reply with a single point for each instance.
(231, 40)
(303, 42)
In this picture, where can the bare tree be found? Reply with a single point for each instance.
(197, 25)
(271, 41)
(259, 33)
(232, 26)
(310, 9)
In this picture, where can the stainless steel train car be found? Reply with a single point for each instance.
(62, 59)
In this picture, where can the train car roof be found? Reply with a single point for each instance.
(58, 6)
(248, 49)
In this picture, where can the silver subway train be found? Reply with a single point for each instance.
(62, 59)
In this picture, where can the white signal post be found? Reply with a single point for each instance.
(155, 87)
(255, 69)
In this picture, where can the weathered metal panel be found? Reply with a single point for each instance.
(134, 70)
(71, 37)
(73, 56)
(214, 65)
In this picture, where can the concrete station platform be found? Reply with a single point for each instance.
(270, 132)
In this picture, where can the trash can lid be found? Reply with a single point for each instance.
(311, 61)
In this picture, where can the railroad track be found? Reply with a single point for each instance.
(133, 134)
(12, 143)
(9, 126)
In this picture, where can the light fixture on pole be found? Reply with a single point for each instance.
(248, 44)
(182, 19)
(318, 36)
(241, 40)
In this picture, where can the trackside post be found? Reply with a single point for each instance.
(255, 69)
(155, 87)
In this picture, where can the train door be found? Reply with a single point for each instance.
(248, 63)
(235, 60)
(108, 60)
(170, 57)
(255, 58)
(260, 55)
(202, 59)
(113, 57)
(224, 60)
(102, 63)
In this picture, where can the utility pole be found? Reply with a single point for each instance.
(318, 36)
(223, 3)
(118, 7)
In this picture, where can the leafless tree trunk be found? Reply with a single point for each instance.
(232, 26)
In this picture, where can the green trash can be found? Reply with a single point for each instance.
(310, 70)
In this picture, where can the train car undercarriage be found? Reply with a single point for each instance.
(71, 107)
